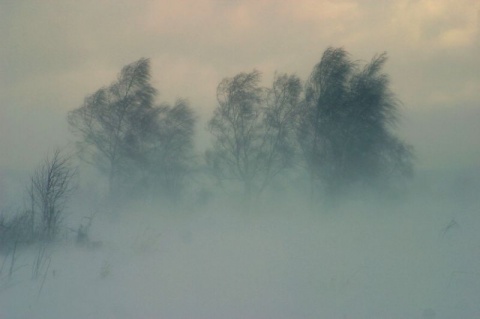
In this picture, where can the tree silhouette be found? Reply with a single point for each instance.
(131, 139)
(253, 129)
(346, 127)
(113, 116)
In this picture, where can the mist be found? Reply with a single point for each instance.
(186, 235)
(411, 257)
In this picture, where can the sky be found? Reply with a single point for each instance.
(56, 52)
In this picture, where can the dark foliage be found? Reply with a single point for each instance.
(346, 132)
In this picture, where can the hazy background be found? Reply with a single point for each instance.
(54, 53)
(361, 259)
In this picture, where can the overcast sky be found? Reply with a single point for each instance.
(54, 53)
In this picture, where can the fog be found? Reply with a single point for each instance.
(406, 252)
(411, 257)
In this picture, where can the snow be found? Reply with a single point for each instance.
(357, 260)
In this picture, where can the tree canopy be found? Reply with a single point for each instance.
(253, 129)
(339, 125)
(346, 130)
(131, 139)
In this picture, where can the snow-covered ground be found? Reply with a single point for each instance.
(418, 257)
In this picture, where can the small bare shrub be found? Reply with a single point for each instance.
(16, 230)
(51, 186)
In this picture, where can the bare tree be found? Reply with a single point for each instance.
(52, 184)
(166, 155)
(280, 120)
(132, 140)
(113, 117)
(253, 129)
(236, 128)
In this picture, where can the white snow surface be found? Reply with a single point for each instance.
(357, 260)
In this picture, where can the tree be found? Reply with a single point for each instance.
(280, 120)
(131, 139)
(111, 118)
(372, 153)
(52, 183)
(347, 119)
(252, 129)
(169, 158)
(319, 129)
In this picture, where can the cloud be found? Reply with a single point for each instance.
(55, 52)
(439, 24)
